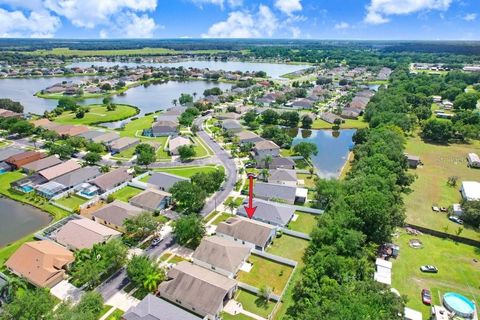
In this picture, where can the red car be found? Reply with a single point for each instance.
(426, 297)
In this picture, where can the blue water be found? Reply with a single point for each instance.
(459, 303)
(27, 189)
(332, 149)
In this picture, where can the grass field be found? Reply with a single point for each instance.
(187, 171)
(266, 273)
(222, 217)
(126, 193)
(98, 114)
(227, 316)
(308, 179)
(254, 304)
(72, 202)
(349, 124)
(457, 270)
(430, 188)
(305, 222)
(288, 247)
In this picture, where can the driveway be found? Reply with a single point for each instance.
(65, 290)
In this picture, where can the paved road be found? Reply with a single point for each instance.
(119, 280)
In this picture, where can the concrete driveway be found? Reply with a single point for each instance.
(66, 291)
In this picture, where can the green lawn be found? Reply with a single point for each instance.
(125, 154)
(105, 309)
(301, 164)
(254, 304)
(132, 127)
(227, 316)
(126, 193)
(430, 188)
(305, 222)
(188, 171)
(238, 201)
(165, 257)
(266, 273)
(177, 259)
(222, 217)
(308, 179)
(72, 201)
(288, 247)
(457, 270)
(98, 114)
(201, 150)
(116, 315)
(349, 124)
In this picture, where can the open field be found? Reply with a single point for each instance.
(266, 273)
(430, 188)
(349, 124)
(188, 171)
(288, 247)
(98, 114)
(457, 270)
(305, 222)
(254, 304)
(126, 193)
(72, 202)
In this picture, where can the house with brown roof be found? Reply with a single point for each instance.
(45, 124)
(83, 233)
(197, 289)
(68, 130)
(151, 200)
(114, 214)
(60, 169)
(20, 159)
(9, 114)
(221, 255)
(111, 179)
(254, 234)
(41, 164)
(42, 263)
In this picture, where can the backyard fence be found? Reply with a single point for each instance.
(444, 235)
(256, 290)
(58, 205)
(296, 234)
(269, 256)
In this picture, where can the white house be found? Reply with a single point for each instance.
(470, 190)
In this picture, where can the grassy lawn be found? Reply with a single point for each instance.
(72, 202)
(125, 154)
(308, 179)
(98, 114)
(440, 162)
(457, 270)
(222, 217)
(116, 315)
(177, 259)
(126, 193)
(161, 153)
(266, 273)
(238, 201)
(165, 257)
(105, 309)
(301, 164)
(254, 304)
(305, 222)
(349, 124)
(286, 152)
(347, 167)
(200, 148)
(227, 316)
(187, 172)
(288, 247)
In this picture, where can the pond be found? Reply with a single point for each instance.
(333, 148)
(274, 70)
(19, 220)
(148, 98)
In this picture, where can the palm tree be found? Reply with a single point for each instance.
(174, 102)
(267, 160)
(265, 174)
(34, 141)
(151, 281)
(231, 206)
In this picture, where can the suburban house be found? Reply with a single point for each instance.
(42, 263)
(106, 137)
(221, 255)
(164, 181)
(231, 126)
(351, 113)
(154, 308)
(200, 290)
(50, 189)
(266, 148)
(83, 233)
(473, 160)
(114, 214)
(272, 213)
(41, 164)
(278, 163)
(331, 118)
(69, 130)
(111, 180)
(20, 159)
(470, 190)
(164, 128)
(286, 177)
(60, 169)
(280, 192)
(228, 116)
(8, 152)
(300, 104)
(245, 137)
(413, 161)
(151, 200)
(254, 234)
(177, 142)
(76, 177)
(121, 144)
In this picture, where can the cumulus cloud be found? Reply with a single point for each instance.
(288, 6)
(470, 17)
(378, 11)
(130, 25)
(243, 24)
(36, 25)
(342, 26)
(221, 3)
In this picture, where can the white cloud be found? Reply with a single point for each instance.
(470, 17)
(296, 32)
(221, 3)
(243, 24)
(342, 25)
(288, 6)
(36, 25)
(379, 10)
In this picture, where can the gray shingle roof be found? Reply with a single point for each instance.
(8, 152)
(112, 179)
(42, 164)
(116, 212)
(76, 177)
(247, 230)
(164, 181)
(154, 308)
(283, 175)
(275, 191)
(149, 199)
(270, 212)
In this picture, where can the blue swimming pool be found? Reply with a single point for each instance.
(26, 189)
(459, 304)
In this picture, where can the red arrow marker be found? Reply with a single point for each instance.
(250, 209)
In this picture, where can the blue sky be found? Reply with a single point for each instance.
(306, 19)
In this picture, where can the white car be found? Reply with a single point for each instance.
(455, 219)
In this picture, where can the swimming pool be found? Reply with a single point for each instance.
(459, 304)
(26, 189)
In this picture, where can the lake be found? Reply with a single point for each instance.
(274, 70)
(19, 220)
(148, 98)
(333, 148)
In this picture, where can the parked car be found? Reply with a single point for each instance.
(429, 269)
(250, 165)
(455, 219)
(426, 297)
(156, 242)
